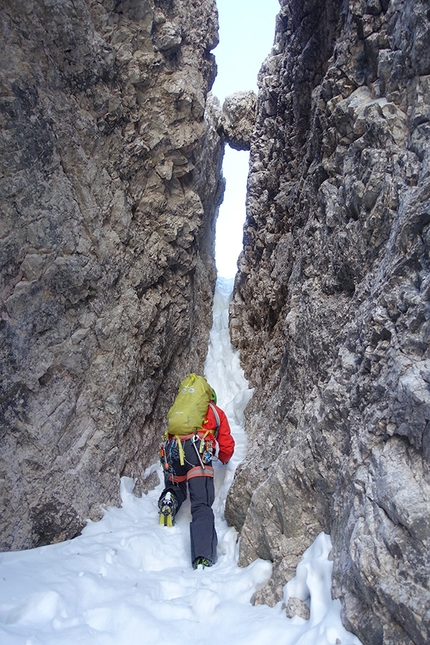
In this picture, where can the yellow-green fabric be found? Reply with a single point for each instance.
(188, 411)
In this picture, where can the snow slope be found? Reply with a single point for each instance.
(128, 581)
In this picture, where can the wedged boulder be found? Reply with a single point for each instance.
(237, 120)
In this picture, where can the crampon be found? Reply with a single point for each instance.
(201, 563)
(167, 510)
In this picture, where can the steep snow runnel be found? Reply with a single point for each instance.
(128, 581)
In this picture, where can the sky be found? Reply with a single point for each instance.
(247, 30)
(129, 581)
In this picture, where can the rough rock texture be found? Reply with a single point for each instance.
(110, 180)
(237, 119)
(331, 311)
(296, 607)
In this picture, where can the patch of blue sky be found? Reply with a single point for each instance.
(247, 30)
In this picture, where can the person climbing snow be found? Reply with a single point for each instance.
(195, 425)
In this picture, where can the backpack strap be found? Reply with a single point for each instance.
(217, 419)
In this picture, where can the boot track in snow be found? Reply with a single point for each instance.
(127, 580)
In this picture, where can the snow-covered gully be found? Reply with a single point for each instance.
(128, 581)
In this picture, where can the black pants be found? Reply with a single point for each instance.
(200, 484)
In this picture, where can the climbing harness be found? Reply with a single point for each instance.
(172, 449)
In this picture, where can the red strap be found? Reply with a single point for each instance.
(198, 471)
(177, 479)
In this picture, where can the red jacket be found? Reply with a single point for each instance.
(224, 438)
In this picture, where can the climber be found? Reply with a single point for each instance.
(187, 461)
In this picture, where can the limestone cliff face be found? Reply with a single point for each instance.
(331, 312)
(110, 183)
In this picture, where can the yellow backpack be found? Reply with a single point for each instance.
(189, 409)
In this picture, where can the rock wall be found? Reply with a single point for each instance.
(110, 181)
(331, 314)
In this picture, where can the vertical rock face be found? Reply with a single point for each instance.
(110, 183)
(331, 312)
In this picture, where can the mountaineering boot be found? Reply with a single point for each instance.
(168, 506)
(201, 563)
